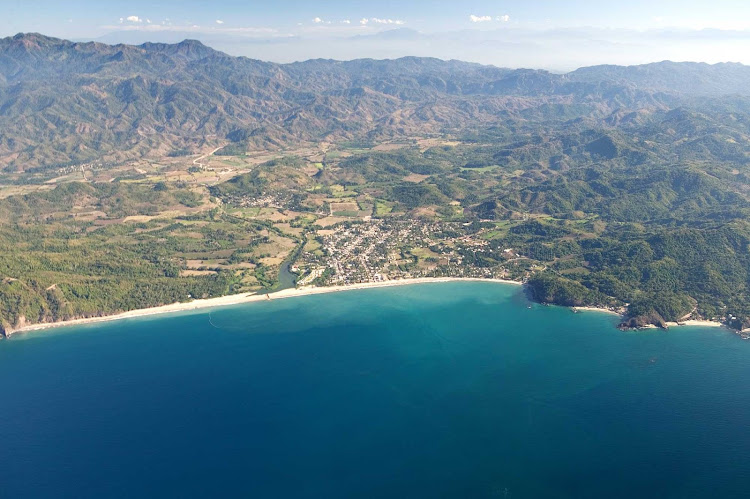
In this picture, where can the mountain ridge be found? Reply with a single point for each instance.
(64, 102)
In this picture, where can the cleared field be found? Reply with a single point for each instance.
(425, 144)
(288, 229)
(328, 221)
(189, 273)
(276, 247)
(198, 264)
(382, 207)
(415, 178)
(389, 147)
(16, 190)
(272, 261)
(349, 206)
(274, 215)
(483, 169)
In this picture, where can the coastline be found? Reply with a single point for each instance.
(597, 309)
(693, 322)
(240, 298)
(689, 322)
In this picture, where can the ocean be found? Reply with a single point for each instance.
(452, 389)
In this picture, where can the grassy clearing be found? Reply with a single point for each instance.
(483, 169)
(382, 207)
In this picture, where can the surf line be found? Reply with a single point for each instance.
(211, 322)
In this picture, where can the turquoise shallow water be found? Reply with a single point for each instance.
(434, 390)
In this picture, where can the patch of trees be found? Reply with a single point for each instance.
(546, 287)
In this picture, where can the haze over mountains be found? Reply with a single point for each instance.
(65, 103)
(557, 48)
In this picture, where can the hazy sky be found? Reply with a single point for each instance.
(552, 34)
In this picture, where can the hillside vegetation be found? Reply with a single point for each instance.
(64, 103)
(623, 187)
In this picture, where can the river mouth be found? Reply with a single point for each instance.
(287, 278)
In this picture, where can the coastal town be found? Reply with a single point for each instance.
(382, 250)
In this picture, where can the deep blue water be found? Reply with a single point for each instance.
(435, 390)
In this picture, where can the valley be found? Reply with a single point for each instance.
(622, 188)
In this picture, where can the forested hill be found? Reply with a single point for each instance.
(133, 176)
(66, 103)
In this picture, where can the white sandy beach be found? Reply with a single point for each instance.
(598, 309)
(690, 322)
(247, 298)
(696, 322)
(296, 292)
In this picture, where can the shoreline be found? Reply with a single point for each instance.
(692, 322)
(597, 309)
(240, 298)
(689, 322)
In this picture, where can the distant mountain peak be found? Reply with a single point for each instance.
(35, 37)
(32, 39)
(190, 48)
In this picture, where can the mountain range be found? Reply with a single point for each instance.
(64, 103)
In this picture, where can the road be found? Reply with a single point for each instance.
(197, 160)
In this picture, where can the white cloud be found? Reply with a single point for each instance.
(133, 19)
(364, 21)
(317, 20)
(479, 19)
(219, 21)
(148, 21)
(483, 19)
(385, 21)
(346, 21)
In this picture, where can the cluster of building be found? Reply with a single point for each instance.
(267, 200)
(381, 250)
(81, 167)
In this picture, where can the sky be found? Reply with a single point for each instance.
(559, 35)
